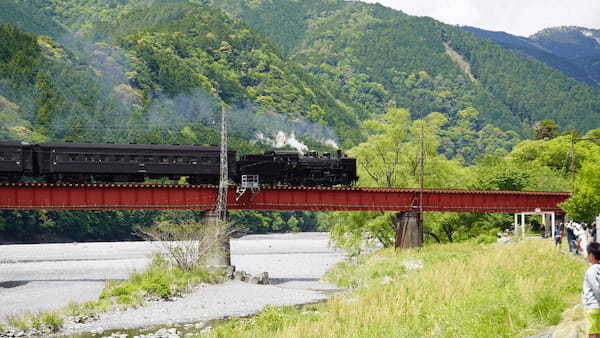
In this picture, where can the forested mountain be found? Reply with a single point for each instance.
(179, 60)
(379, 57)
(29, 19)
(574, 51)
(579, 45)
(366, 47)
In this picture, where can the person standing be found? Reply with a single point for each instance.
(590, 296)
(583, 239)
(558, 236)
(571, 237)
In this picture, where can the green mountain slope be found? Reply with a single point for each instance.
(189, 46)
(49, 93)
(29, 19)
(388, 47)
(184, 58)
(363, 58)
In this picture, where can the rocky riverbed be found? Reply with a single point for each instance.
(43, 277)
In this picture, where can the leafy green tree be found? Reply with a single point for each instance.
(546, 129)
(390, 158)
(584, 205)
(292, 223)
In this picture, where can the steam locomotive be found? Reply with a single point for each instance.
(106, 163)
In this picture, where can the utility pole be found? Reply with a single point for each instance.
(573, 162)
(221, 208)
(408, 225)
(223, 257)
(422, 187)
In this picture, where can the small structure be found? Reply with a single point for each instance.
(538, 212)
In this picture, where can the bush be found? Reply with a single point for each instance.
(188, 244)
(52, 321)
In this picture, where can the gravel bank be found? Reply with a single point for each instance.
(295, 263)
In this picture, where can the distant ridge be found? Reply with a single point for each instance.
(573, 50)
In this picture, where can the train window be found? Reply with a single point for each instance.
(164, 160)
(3, 157)
(180, 160)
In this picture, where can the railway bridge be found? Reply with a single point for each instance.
(410, 203)
(203, 197)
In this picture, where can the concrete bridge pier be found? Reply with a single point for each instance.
(222, 256)
(409, 230)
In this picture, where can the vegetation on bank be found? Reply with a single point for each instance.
(450, 290)
(390, 157)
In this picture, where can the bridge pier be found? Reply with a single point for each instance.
(222, 256)
(409, 230)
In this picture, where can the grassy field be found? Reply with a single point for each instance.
(455, 290)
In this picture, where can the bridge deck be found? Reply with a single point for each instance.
(203, 197)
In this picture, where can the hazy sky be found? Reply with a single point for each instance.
(519, 17)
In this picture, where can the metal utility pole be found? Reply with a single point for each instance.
(221, 208)
(421, 169)
(573, 163)
(422, 187)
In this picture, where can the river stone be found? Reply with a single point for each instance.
(261, 278)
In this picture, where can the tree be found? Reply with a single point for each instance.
(389, 158)
(545, 129)
(584, 205)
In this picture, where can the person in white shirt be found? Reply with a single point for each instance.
(582, 239)
(590, 296)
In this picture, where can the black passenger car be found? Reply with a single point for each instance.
(87, 162)
(293, 168)
(15, 160)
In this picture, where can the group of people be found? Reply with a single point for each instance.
(579, 235)
(581, 238)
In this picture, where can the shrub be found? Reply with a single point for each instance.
(188, 244)
(18, 323)
(52, 321)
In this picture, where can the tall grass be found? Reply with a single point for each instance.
(462, 290)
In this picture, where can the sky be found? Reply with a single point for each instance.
(518, 17)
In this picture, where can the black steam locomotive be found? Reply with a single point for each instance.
(88, 162)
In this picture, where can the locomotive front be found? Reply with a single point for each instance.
(293, 168)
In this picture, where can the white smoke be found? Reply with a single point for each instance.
(280, 139)
(331, 142)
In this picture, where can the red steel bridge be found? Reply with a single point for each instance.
(203, 197)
